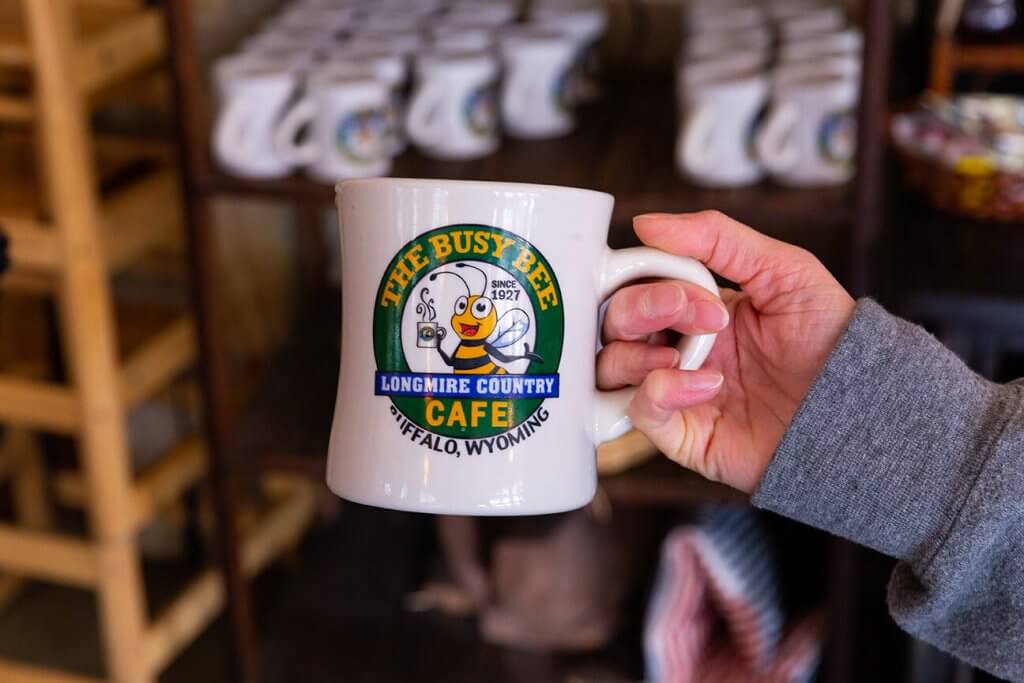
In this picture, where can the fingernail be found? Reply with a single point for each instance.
(705, 380)
(708, 315)
(662, 300)
(661, 357)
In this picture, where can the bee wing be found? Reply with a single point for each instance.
(510, 328)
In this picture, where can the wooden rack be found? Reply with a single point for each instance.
(67, 239)
(621, 146)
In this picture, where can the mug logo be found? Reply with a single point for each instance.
(837, 138)
(467, 336)
(480, 110)
(360, 137)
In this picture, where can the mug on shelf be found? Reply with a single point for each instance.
(586, 24)
(714, 147)
(811, 23)
(470, 318)
(254, 94)
(345, 112)
(446, 36)
(535, 97)
(452, 113)
(703, 46)
(848, 42)
(809, 135)
(786, 73)
(391, 69)
(715, 19)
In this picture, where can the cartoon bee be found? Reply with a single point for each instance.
(481, 333)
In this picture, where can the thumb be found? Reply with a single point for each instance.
(668, 409)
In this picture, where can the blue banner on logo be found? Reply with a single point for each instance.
(446, 385)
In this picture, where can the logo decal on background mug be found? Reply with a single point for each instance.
(837, 139)
(467, 333)
(361, 136)
(481, 111)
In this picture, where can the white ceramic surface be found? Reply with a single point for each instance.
(452, 112)
(345, 112)
(809, 135)
(714, 144)
(536, 101)
(429, 268)
(254, 93)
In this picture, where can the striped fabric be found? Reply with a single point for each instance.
(715, 615)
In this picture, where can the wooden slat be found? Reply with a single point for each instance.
(991, 58)
(16, 109)
(130, 46)
(13, 672)
(39, 404)
(179, 624)
(139, 217)
(277, 530)
(623, 453)
(159, 485)
(14, 54)
(46, 556)
(168, 479)
(160, 360)
(32, 244)
(281, 527)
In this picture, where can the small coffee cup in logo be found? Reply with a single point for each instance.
(346, 111)
(536, 101)
(452, 113)
(429, 335)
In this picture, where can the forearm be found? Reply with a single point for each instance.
(900, 447)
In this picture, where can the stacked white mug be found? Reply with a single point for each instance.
(767, 88)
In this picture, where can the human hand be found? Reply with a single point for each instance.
(725, 420)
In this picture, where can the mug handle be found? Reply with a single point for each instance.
(771, 140)
(625, 265)
(229, 139)
(693, 139)
(287, 146)
(423, 122)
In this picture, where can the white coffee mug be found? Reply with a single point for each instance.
(809, 135)
(469, 324)
(447, 36)
(714, 147)
(452, 112)
(391, 69)
(535, 97)
(483, 12)
(254, 94)
(738, 18)
(812, 22)
(348, 135)
(787, 73)
(849, 42)
(704, 46)
(585, 23)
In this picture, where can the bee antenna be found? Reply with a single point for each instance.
(433, 276)
(482, 274)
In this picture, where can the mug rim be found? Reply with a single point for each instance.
(480, 184)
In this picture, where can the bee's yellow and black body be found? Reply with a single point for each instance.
(473, 321)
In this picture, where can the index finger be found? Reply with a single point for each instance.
(728, 247)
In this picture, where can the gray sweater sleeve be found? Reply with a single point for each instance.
(900, 447)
